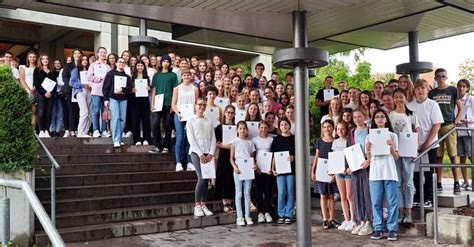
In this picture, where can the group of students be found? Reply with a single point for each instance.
(385, 187)
(106, 95)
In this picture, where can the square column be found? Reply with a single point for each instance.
(104, 37)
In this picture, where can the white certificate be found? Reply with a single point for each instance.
(408, 144)
(186, 111)
(208, 170)
(322, 171)
(127, 71)
(253, 129)
(354, 157)
(159, 99)
(48, 84)
(141, 86)
(100, 70)
(229, 134)
(336, 162)
(378, 138)
(282, 164)
(221, 102)
(212, 113)
(120, 81)
(328, 94)
(240, 115)
(264, 161)
(245, 166)
(150, 73)
(83, 77)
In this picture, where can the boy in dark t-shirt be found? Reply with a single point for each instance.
(320, 95)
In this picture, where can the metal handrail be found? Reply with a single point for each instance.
(35, 203)
(54, 166)
(440, 140)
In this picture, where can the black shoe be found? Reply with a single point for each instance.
(288, 221)
(334, 224)
(440, 187)
(392, 236)
(428, 204)
(457, 189)
(281, 220)
(325, 224)
(377, 235)
(155, 151)
(416, 204)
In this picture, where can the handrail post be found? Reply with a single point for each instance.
(472, 169)
(435, 208)
(5, 216)
(53, 195)
(422, 197)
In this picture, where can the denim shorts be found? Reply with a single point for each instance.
(343, 176)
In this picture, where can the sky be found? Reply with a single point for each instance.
(445, 53)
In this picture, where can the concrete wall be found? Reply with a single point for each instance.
(452, 229)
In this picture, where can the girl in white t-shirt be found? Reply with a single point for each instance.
(241, 148)
(383, 179)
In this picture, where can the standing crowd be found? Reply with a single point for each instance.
(237, 131)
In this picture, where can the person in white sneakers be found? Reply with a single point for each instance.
(202, 140)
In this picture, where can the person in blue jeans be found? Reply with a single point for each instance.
(285, 182)
(383, 179)
(115, 97)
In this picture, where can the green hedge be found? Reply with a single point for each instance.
(17, 144)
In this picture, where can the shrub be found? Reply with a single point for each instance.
(17, 144)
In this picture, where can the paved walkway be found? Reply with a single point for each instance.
(258, 235)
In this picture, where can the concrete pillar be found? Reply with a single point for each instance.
(44, 47)
(266, 60)
(104, 37)
(59, 50)
(123, 34)
(413, 50)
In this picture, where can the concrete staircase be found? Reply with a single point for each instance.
(104, 192)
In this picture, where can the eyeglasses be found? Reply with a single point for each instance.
(230, 112)
(201, 104)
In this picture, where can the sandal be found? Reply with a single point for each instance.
(334, 224)
(325, 224)
(227, 209)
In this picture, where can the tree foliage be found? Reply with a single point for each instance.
(466, 69)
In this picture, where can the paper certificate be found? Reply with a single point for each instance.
(245, 166)
(229, 134)
(328, 94)
(408, 144)
(354, 157)
(208, 170)
(186, 111)
(120, 81)
(336, 162)
(159, 99)
(83, 77)
(240, 115)
(378, 138)
(141, 86)
(127, 71)
(221, 102)
(282, 164)
(100, 70)
(264, 161)
(253, 129)
(322, 171)
(212, 113)
(48, 84)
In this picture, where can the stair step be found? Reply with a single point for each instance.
(112, 178)
(132, 228)
(93, 168)
(95, 149)
(76, 192)
(120, 201)
(59, 141)
(63, 159)
(450, 200)
(127, 214)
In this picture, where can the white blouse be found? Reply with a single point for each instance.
(201, 136)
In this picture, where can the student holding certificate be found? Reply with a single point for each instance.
(327, 190)
(184, 93)
(404, 121)
(285, 182)
(45, 98)
(116, 99)
(242, 148)
(81, 91)
(202, 141)
(264, 180)
(360, 180)
(384, 179)
(225, 188)
(322, 101)
(140, 107)
(213, 112)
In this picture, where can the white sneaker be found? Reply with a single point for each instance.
(46, 134)
(145, 143)
(206, 211)
(128, 134)
(249, 221)
(190, 167)
(73, 133)
(173, 134)
(96, 134)
(84, 136)
(268, 218)
(138, 144)
(66, 134)
(261, 218)
(240, 222)
(198, 211)
(366, 230)
(122, 143)
(357, 229)
(165, 151)
(41, 134)
(116, 144)
(350, 226)
(179, 167)
(106, 134)
(342, 226)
